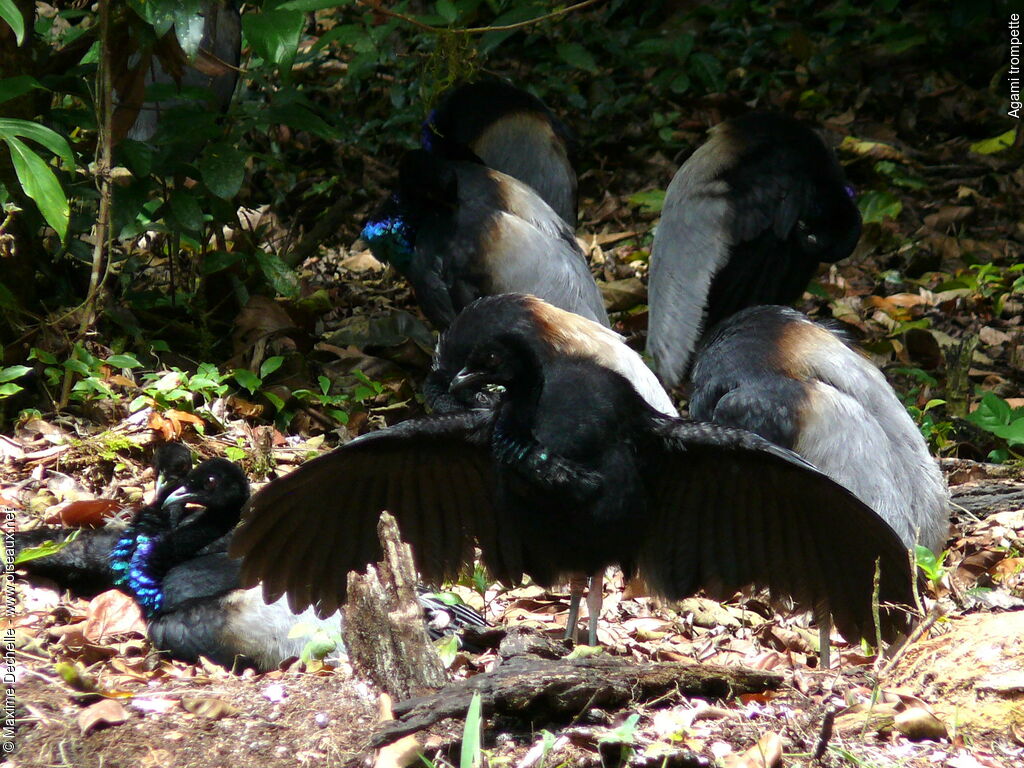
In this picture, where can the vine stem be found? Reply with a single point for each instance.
(374, 5)
(104, 104)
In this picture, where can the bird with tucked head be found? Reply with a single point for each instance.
(745, 223)
(458, 230)
(551, 333)
(570, 471)
(511, 131)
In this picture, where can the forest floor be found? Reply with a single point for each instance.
(938, 272)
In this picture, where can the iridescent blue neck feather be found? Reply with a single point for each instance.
(130, 561)
(390, 238)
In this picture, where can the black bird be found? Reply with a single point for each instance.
(81, 565)
(458, 230)
(174, 563)
(551, 333)
(511, 131)
(572, 471)
(746, 221)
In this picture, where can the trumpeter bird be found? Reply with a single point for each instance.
(81, 564)
(458, 230)
(746, 221)
(511, 131)
(572, 471)
(551, 333)
(173, 560)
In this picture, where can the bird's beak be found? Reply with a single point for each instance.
(161, 481)
(178, 496)
(463, 379)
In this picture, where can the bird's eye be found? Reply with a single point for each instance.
(210, 483)
(493, 359)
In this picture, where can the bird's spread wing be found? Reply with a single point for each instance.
(302, 534)
(729, 510)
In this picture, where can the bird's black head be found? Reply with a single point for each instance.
(218, 485)
(492, 342)
(172, 462)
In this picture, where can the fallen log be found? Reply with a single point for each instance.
(545, 690)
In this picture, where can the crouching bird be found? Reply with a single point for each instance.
(569, 472)
(511, 131)
(458, 230)
(173, 560)
(81, 565)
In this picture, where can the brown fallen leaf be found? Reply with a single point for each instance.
(918, 724)
(209, 707)
(112, 613)
(105, 712)
(88, 513)
(765, 754)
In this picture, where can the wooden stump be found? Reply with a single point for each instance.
(384, 631)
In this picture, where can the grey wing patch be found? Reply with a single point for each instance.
(691, 245)
(524, 259)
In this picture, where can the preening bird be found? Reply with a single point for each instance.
(551, 333)
(569, 472)
(458, 230)
(746, 221)
(773, 371)
(511, 131)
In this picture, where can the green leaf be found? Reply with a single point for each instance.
(270, 365)
(275, 401)
(649, 202)
(995, 144)
(189, 23)
(223, 169)
(247, 379)
(470, 754)
(13, 87)
(312, 5)
(577, 56)
(876, 207)
(447, 648)
(53, 141)
(280, 276)
(123, 361)
(215, 261)
(13, 372)
(7, 299)
(39, 183)
(992, 413)
(45, 549)
(186, 211)
(446, 10)
(708, 69)
(8, 389)
(9, 12)
(274, 36)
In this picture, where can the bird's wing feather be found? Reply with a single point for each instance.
(729, 510)
(302, 534)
